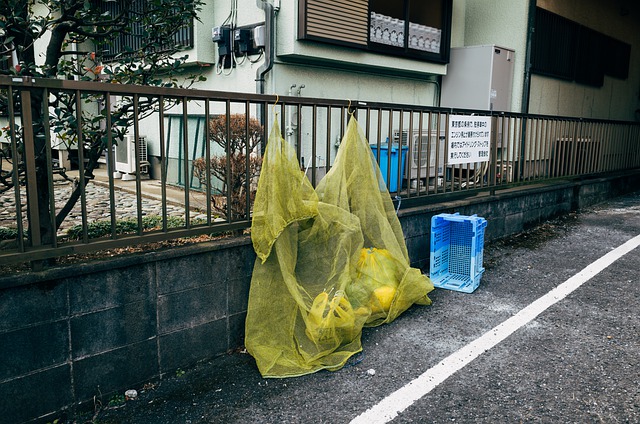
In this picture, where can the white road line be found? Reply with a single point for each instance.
(404, 397)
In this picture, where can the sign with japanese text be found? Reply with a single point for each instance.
(469, 139)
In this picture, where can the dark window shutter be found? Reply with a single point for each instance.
(342, 21)
(554, 45)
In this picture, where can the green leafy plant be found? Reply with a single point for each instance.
(127, 226)
(8, 233)
(73, 35)
(117, 400)
(238, 180)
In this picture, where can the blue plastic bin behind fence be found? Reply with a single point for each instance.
(457, 245)
(385, 158)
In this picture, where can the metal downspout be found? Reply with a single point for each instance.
(269, 43)
(526, 89)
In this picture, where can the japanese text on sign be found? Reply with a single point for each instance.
(469, 139)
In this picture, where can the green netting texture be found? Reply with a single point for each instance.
(330, 260)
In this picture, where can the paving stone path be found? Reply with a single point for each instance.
(97, 206)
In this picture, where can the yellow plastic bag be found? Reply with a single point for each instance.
(330, 260)
(327, 316)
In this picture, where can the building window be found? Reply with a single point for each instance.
(567, 50)
(411, 28)
(135, 38)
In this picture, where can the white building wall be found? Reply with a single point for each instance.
(326, 71)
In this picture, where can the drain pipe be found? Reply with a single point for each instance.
(526, 89)
(269, 44)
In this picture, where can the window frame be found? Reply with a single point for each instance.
(382, 49)
(114, 50)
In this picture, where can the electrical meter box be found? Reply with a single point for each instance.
(479, 77)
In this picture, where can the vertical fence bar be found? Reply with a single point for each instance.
(510, 146)
(298, 108)
(617, 151)
(531, 142)
(597, 148)
(553, 148)
(546, 147)
(627, 142)
(15, 177)
(436, 159)
(196, 136)
(523, 145)
(110, 163)
(314, 144)
(572, 148)
(227, 182)
(164, 153)
(599, 145)
(327, 162)
(136, 146)
(185, 160)
(81, 173)
(368, 127)
(207, 157)
(389, 145)
(50, 190)
(342, 111)
(400, 148)
(247, 185)
(30, 152)
(446, 169)
(493, 155)
(602, 166)
(418, 162)
(563, 157)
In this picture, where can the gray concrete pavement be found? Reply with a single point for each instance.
(576, 362)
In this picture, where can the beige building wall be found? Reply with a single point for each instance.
(502, 23)
(616, 99)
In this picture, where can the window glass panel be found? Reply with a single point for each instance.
(387, 22)
(425, 25)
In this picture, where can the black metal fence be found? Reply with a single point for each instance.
(57, 199)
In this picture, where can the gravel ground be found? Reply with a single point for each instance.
(577, 362)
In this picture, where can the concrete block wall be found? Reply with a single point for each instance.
(506, 214)
(75, 332)
(70, 334)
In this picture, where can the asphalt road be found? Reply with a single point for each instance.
(577, 361)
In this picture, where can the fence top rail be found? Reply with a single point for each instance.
(237, 97)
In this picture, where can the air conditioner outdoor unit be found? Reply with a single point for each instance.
(125, 156)
(424, 147)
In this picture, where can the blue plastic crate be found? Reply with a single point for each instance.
(457, 245)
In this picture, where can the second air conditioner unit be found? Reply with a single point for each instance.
(125, 156)
(425, 147)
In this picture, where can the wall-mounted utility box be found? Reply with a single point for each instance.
(479, 77)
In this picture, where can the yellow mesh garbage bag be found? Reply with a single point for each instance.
(314, 284)
(355, 184)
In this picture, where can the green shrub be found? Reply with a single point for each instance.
(99, 229)
(8, 233)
